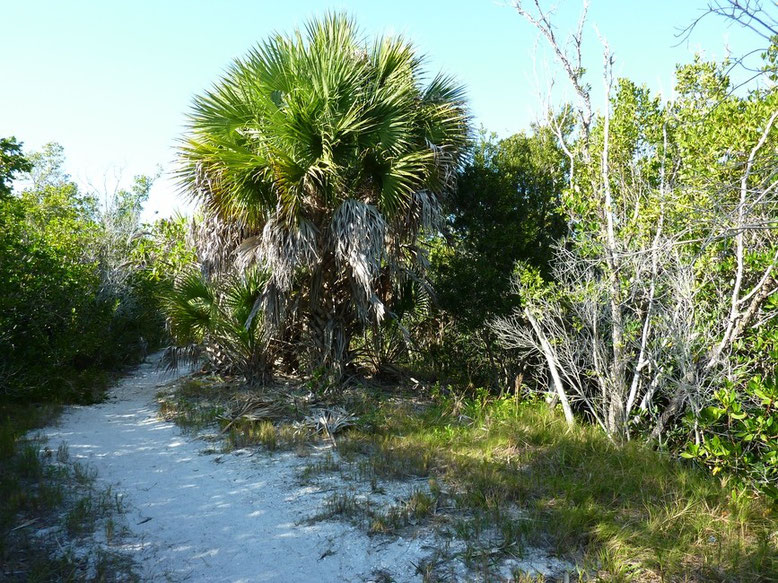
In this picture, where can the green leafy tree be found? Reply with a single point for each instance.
(505, 209)
(671, 262)
(165, 250)
(63, 316)
(321, 157)
(12, 162)
(48, 278)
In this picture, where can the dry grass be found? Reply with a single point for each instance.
(45, 491)
(507, 476)
(280, 417)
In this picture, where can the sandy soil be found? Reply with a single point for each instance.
(233, 517)
(239, 517)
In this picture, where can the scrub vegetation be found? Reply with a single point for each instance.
(56, 522)
(563, 339)
(504, 475)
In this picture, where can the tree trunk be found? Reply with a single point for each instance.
(331, 321)
(553, 369)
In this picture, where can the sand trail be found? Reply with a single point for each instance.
(234, 517)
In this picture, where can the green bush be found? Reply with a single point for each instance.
(220, 319)
(738, 435)
(73, 304)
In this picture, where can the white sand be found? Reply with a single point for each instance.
(232, 517)
(241, 516)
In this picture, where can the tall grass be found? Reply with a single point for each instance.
(622, 513)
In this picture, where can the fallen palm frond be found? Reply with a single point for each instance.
(253, 409)
(328, 421)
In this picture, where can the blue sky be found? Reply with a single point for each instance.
(112, 81)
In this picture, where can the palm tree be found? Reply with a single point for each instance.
(322, 158)
(217, 320)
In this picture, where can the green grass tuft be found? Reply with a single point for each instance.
(624, 513)
(40, 489)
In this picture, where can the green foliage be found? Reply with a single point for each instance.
(12, 162)
(451, 352)
(223, 320)
(71, 305)
(660, 299)
(320, 114)
(505, 209)
(325, 156)
(46, 289)
(164, 251)
(739, 434)
(770, 67)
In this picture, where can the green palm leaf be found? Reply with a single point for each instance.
(305, 124)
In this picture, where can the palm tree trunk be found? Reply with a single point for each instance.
(331, 321)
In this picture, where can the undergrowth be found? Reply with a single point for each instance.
(197, 404)
(504, 475)
(47, 502)
(622, 513)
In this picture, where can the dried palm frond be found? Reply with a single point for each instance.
(252, 409)
(217, 242)
(176, 357)
(359, 230)
(283, 249)
(329, 420)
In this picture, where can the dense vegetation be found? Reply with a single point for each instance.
(617, 263)
(80, 279)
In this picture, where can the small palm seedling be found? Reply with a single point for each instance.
(328, 421)
(220, 319)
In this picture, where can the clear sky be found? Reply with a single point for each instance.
(112, 81)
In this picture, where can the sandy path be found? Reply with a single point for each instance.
(234, 517)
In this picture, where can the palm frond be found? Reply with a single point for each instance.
(191, 308)
(328, 155)
(176, 357)
(359, 231)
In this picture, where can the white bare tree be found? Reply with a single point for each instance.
(638, 322)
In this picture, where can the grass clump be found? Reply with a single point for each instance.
(324, 465)
(519, 476)
(238, 416)
(45, 491)
(195, 403)
(272, 436)
(376, 517)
